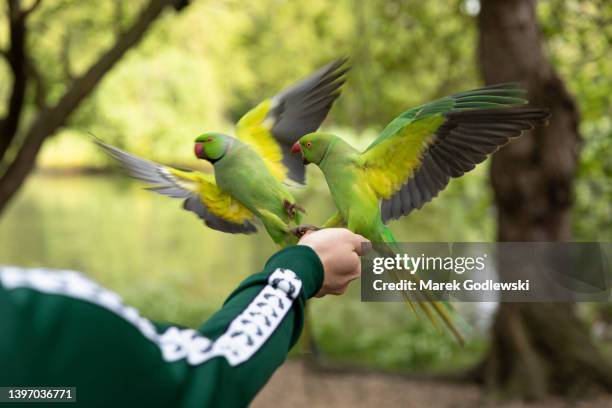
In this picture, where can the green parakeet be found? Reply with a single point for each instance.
(414, 158)
(249, 169)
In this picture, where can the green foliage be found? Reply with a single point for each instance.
(578, 36)
(593, 207)
(202, 68)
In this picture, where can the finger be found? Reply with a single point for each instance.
(361, 244)
(356, 272)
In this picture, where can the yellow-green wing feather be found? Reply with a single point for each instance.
(201, 195)
(216, 201)
(390, 163)
(418, 152)
(274, 125)
(255, 129)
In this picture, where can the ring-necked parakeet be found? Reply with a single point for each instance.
(249, 169)
(414, 158)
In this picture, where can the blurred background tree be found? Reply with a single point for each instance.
(21, 138)
(537, 348)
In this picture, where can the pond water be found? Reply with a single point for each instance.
(165, 262)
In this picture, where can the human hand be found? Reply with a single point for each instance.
(339, 250)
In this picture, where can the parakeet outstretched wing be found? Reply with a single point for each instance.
(419, 151)
(201, 195)
(274, 125)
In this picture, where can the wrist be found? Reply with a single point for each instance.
(304, 262)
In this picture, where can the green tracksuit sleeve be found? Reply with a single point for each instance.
(60, 329)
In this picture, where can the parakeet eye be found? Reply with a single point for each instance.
(308, 145)
(210, 139)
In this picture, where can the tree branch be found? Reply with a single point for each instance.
(83, 85)
(34, 6)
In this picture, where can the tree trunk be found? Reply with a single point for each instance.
(540, 348)
(17, 62)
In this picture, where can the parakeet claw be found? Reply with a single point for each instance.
(300, 230)
(299, 208)
(293, 208)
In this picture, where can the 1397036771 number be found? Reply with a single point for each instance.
(39, 393)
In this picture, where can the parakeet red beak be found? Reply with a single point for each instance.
(198, 150)
(296, 148)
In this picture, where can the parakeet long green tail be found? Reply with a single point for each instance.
(425, 301)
